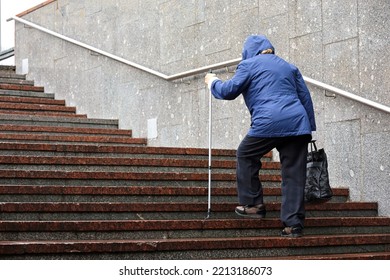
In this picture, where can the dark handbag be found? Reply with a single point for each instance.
(317, 186)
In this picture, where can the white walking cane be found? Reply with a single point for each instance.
(209, 165)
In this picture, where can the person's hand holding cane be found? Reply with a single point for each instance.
(209, 78)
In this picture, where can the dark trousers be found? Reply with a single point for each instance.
(293, 154)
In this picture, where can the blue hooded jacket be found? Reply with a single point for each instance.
(274, 92)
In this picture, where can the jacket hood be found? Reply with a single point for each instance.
(254, 45)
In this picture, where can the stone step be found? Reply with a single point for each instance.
(16, 87)
(351, 256)
(196, 228)
(63, 130)
(163, 210)
(194, 248)
(37, 177)
(45, 138)
(89, 149)
(15, 119)
(43, 114)
(26, 93)
(15, 79)
(10, 75)
(21, 193)
(121, 164)
(31, 100)
(35, 108)
(7, 68)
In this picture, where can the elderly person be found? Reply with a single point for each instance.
(282, 117)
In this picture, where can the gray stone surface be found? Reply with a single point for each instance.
(339, 20)
(342, 43)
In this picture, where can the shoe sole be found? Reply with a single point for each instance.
(250, 215)
(292, 235)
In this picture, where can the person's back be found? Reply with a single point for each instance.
(274, 91)
(272, 98)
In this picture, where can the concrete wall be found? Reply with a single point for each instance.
(342, 43)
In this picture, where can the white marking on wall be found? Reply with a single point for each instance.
(152, 128)
(24, 66)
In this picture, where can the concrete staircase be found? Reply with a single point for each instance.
(78, 188)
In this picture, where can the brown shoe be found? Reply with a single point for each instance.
(253, 211)
(295, 231)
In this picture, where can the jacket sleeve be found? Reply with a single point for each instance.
(305, 98)
(231, 89)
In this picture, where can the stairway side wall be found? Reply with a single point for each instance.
(342, 43)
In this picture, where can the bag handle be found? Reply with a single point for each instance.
(313, 144)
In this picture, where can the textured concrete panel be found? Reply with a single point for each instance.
(305, 17)
(342, 146)
(275, 29)
(243, 23)
(376, 172)
(341, 70)
(339, 20)
(306, 54)
(269, 9)
(374, 50)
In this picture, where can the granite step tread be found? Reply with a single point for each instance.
(115, 161)
(71, 138)
(26, 93)
(31, 100)
(122, 164)
(43, 114)
(194, 224)
(137, 190)
(57, 121)
(4, 74)
(40, 193)
(63, 130)
(139, 150)
(13, 79)
(348, 256)
(35, 108)
(22, 87)
(193, 244)
(144, 176)
(7, 207)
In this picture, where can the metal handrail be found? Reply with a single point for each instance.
(7, 54)
(197, 70)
